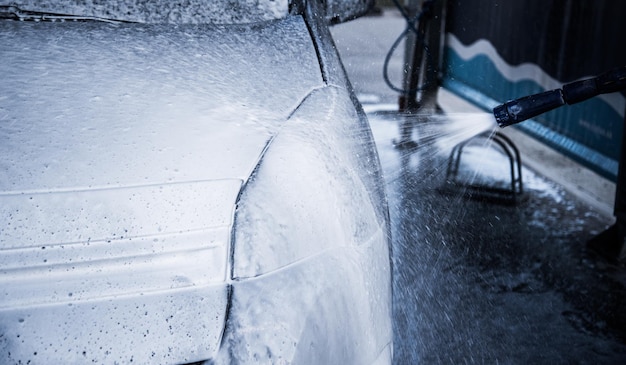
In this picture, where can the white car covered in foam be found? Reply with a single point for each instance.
(184, 182)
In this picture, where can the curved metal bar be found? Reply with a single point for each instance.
(508, 148)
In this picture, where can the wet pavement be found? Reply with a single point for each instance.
(477, 279)
(483, 280)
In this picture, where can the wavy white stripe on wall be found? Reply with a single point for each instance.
(523, 71)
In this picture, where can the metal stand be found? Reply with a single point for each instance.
(515, 162)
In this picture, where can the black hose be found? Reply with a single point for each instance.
(411, 26)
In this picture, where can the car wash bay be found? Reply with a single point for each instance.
(477, 279)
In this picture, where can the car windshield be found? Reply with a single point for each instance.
(148, 11)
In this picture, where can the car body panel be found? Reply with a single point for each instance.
(150, 91)
(174, 193)
(124, 149)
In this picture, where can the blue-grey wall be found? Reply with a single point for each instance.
(501, 50)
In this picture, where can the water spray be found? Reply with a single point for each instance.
(519, 110)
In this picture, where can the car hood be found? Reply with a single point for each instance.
(123, 148)
(99, 107)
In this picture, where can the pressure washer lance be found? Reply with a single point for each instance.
(519, 110)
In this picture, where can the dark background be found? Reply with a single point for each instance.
(569, 39)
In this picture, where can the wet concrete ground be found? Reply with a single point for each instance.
(478, 280)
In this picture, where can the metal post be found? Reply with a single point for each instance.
(421, 65)
(413, 58)
(433, 61)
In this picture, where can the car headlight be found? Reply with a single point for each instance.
(311, 272)
(316, 188)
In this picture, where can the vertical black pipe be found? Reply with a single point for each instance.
(422, 68)
(610, 243)
(433, 59)
(413, 65)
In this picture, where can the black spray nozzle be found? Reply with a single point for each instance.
(521, 109)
